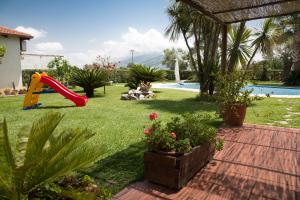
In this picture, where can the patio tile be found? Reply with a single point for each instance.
(284, 140)
(257, 162)
(298, 142)
(271, 190)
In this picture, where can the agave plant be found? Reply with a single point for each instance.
(42, 155)
(89, 79)
(140, 73)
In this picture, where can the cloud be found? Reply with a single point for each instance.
(150, 41)
(92, 40)
(48, 47)
(32, 31)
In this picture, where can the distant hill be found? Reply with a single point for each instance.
(153, 60)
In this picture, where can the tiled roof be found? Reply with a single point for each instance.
(7, 31)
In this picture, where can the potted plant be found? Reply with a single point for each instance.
(2, 52)
(178, 149)
(232, 97)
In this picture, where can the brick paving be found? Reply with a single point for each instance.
(257, 162)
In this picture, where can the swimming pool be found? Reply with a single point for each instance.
(259, 90)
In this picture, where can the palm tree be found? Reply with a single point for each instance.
(243, 50)
(290, 31)
(204, 34)
(264, 39)
(41, 155)
(89, 79)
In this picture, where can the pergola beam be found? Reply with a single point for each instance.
(203, 10)
(253, 7)
(263, 17)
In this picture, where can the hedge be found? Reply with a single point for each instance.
(117, 75)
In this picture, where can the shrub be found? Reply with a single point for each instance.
(184, 75)
(139, 73)
(60, 69)
(293, 79)
(182, 133)
(89, 79)
(42, 155)
(230, 90)
(2, 50)
(27, 73)
(119, 75)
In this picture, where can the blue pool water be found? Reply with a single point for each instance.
(257, 89)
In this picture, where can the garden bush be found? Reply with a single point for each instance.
(42, 156)
(293, 79)
(184, 75)
(27, 73)
(89, 79)
(181, 133)
(119, 75)
(139, 73)
(60, 69)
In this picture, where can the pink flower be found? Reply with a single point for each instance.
(147, 132)
(173, 135)
(153, 116)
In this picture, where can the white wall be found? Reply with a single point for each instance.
(10, 68)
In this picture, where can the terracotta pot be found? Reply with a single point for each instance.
(235, 114)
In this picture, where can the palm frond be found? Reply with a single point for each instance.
(47, 155)
(138, 73)
(39, 135)
(7, 161)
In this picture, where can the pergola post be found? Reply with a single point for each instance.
(224, 49)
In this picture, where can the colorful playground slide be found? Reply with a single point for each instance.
(35, 89)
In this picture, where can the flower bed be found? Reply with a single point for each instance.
(179, 148)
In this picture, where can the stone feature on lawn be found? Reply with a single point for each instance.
(137, 95)
(141, 93)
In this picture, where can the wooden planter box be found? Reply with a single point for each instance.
(175, 172)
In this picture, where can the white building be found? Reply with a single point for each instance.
(10, 66)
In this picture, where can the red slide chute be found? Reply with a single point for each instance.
(64, 91)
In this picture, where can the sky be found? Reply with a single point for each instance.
(80, 30)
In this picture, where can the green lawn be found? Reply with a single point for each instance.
(119, 124)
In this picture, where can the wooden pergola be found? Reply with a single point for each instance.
(226, 12)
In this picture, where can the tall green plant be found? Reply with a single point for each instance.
(290, 34)
(89, 79)
(60, 69)
(264, 40)
(42, 155)
(2, 50)
(243, 51)
(139, 73)
(201, 36)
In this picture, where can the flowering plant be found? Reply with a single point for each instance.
(181, 134)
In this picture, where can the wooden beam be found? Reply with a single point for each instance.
(253, 7)
(224, 49)
(263, 17)
(202, 10)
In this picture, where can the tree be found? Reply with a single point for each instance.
(42, 155)
(60, 69)
(289, 44)
(264, 40)
(291, 32)
(204, 34)
(140, 73)
(243, 51)
(89, 79)
(170, 56)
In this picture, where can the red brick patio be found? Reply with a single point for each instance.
(257, 162)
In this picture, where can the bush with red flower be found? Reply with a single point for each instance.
(182, 133)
